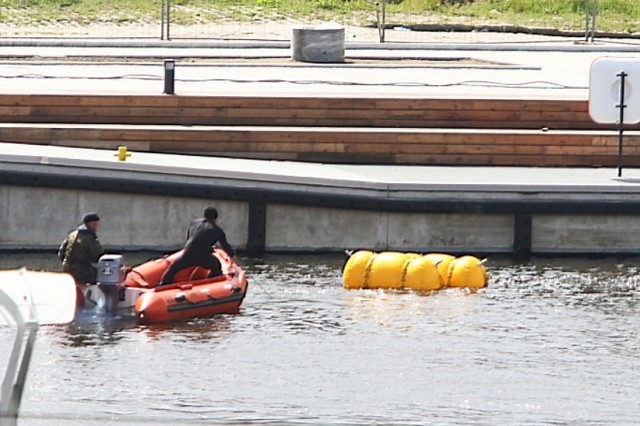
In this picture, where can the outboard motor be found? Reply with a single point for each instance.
(111, 277)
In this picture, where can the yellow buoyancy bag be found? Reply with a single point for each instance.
(467, 271)
(355, 268)
(443, 261)
(386, 270)
(391, 270)
(422, 274)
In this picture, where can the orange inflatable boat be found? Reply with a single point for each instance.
(192, 295)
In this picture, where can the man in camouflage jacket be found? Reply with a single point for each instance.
(81, 250)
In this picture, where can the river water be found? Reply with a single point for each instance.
(549, 342)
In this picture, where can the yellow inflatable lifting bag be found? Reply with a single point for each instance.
(467, 271)
(386, 270)
(422, 274)
(354, 270)
(443, 262)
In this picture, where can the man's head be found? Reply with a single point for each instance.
(210, 213)
(91, 221)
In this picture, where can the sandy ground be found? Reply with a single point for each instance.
(257, 30)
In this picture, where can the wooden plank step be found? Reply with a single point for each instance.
(359, 145)
(278, 133)
(330, 111)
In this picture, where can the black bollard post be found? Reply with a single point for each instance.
(621, 105)
(169, 76)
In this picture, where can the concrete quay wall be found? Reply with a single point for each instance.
(40, 217)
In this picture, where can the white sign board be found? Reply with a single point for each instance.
(604, 90)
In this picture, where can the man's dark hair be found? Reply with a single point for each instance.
(210, 213)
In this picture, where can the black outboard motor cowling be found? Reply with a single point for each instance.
(111, 277)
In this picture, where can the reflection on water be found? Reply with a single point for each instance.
(549, 342)
(391, 309)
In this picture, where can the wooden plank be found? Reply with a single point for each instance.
(208, 118)
(89, 100)
(8, 134)
(355, 136)
(342, 153)
(240, 101)
(347, 158)
(15, 111)
(339, 147)
(459, 118)
(511, 160)
(39, 100)
(482, 104)
(452, 113)
(103, 144)
(271, 102)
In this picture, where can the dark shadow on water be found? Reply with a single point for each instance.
(90, 329)
(197, 330)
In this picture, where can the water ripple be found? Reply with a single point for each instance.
(553, 342)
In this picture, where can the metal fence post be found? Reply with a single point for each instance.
(162, 20)
(586, 20)
(384, 20)
(381, 16)
(593, 20)
(168, 15)
(590, 14)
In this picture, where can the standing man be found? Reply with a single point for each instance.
(202, 235)
(81, 250)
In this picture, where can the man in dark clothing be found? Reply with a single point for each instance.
(202, 235)
(81, 249)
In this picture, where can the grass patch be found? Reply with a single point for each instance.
(614, 15)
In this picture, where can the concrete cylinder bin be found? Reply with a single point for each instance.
(321, 44)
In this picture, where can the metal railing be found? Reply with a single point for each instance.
(19, 359)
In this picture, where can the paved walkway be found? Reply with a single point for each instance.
(551, 69)
(387, 181)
